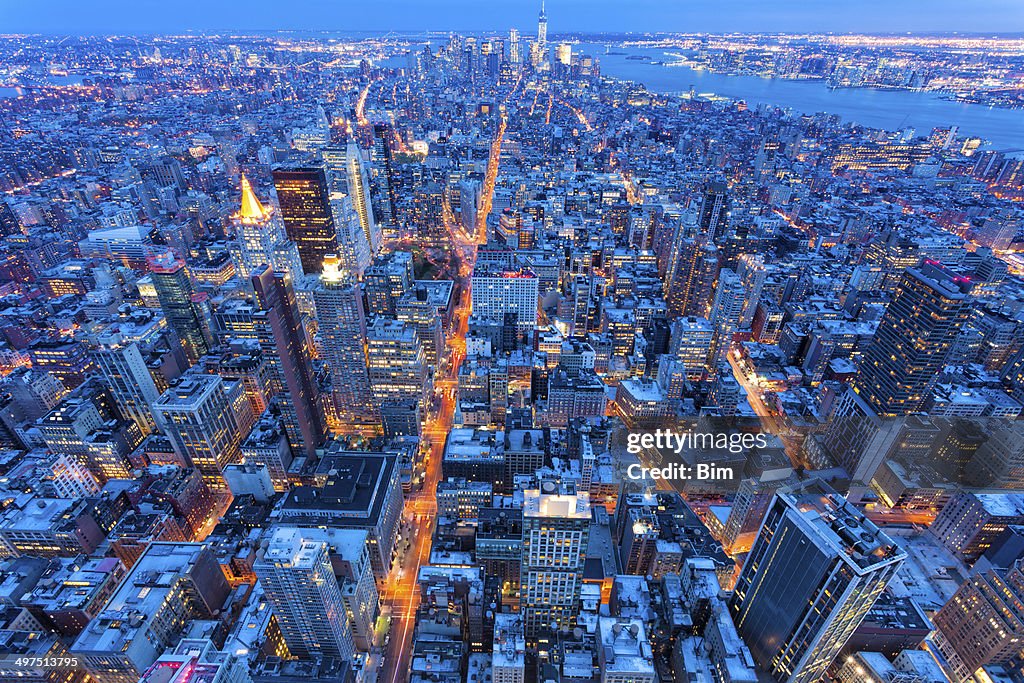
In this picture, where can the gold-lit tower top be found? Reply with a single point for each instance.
(252, 210)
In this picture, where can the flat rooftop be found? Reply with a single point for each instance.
(564, 506)
(352, 485)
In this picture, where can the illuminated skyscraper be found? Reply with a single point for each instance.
(691, 270)
(258, 230)
(304, 196)
(564, 54)
(815, 570)
(342, 328)
(726, 313)
(383, 191)
(205, 418)
(300, 583)
(914, 337)
(542, 30)
(359, 192)
(279, 329)
(359, 236)
(181, 305)
(515, 53)
(126, 372)
(751, 270)
(714, 211)
(556, 528)
(691, 343)
(397, 363)
(353, 249)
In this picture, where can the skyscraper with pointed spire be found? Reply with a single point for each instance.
(258, 230)
(542, 29)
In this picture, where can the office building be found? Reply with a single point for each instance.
(571, 397)
(386, 281)
(125, 369)
(170, 585)
(815, 570)
(556, 527)
(691, 342)
(475, 455)
(182, 306)
(34, 392)
(914, 337)
(499, 545)
(341, 322)
(304, 197)
(281, 334)
(397, 363)
(88, 425)
(416, 309)
(970, 522)
(296, 574)
(353, 490)
(982, 624)
(497, 292)
(690, 277)
(205, 418)
(267, 445)
(49, 527)
(459, 499)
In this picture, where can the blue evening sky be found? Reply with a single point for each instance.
(156, 16)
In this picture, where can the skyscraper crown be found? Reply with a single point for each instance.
(251, 209)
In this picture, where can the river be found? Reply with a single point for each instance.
(887, 109)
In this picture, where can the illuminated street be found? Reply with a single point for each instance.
(400, 596)
(771, 423)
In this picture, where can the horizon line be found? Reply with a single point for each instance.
(208, 32)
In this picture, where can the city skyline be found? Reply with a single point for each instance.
(504, 358)
(106, 17)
